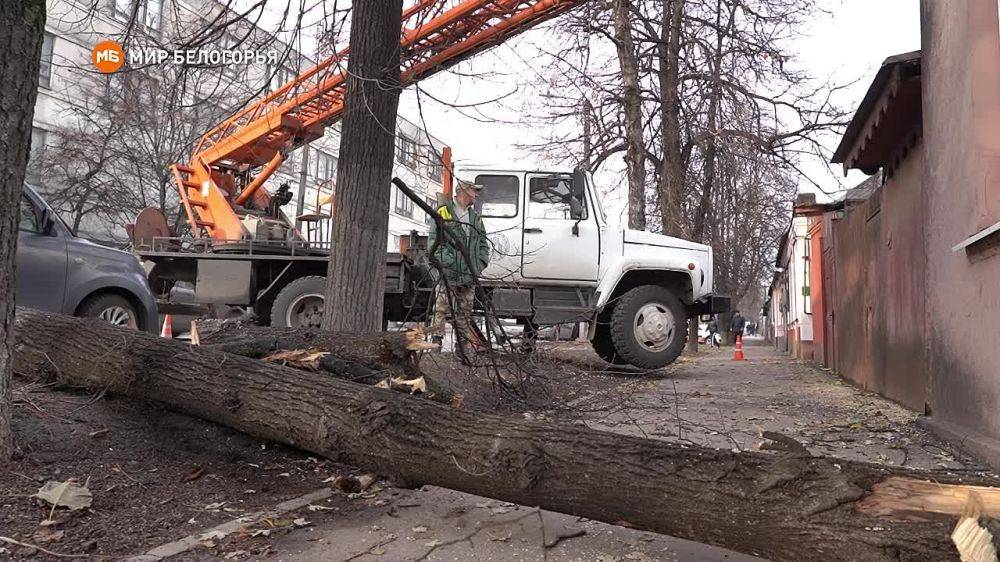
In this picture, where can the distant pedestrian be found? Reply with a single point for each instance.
(713, 330)
(737, 325)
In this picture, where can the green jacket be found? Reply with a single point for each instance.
(452, 261)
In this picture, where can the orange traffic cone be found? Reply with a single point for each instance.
(168, 327)
(738, 353)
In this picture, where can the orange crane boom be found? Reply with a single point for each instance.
(232, 161)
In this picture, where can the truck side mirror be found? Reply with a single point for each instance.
(579, 185)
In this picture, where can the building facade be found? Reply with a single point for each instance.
(78, 109)
(790, 311)
(910, 267)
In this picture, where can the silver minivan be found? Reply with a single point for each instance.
(59, 272)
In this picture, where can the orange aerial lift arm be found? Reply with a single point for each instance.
(233, 160)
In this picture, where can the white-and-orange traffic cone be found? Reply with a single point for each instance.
(168, 327)
(738, 353)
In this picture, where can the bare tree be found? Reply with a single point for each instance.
(356, 276)
(22, 23)
(726, 120)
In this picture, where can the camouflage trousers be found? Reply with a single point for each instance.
(463, 298)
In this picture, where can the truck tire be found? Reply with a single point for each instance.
(113, 309)
(648, 327)
(300, 303)
(604, 347)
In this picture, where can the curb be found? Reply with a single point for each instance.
(165, 551)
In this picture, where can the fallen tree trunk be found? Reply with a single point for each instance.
(387, 359)
(786, 506)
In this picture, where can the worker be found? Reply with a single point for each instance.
(713, 329)
(465, 224)
(737, 326)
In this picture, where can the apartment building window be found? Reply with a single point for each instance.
(403, 204)
(147, 12)
(45, 66)
(434, 167)
(807, 277)
(432, 203)
(324, 166)
(407, 152)
(275, 77)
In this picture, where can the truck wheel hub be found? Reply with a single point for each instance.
(654, 327)
(306, 311)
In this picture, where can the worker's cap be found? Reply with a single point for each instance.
(469, 185)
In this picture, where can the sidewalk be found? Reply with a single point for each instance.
(713, 401)
(708, 400)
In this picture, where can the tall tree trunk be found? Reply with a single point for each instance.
(785, 506)
(704, 213)
(356, 278)
(672, 164)
(22, 23)
(635, 151)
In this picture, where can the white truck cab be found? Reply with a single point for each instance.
(555, 259)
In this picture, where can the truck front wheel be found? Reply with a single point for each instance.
(648, 327)
(300, 303)
(604, 347)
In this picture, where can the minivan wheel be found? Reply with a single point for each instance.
(300, 303)
(649, 327)
(113, 309)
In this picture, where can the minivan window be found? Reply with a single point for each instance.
(29, 216)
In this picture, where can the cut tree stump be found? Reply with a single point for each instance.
(783, 506)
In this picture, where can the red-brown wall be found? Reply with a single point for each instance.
(961, 115)
(875, 256)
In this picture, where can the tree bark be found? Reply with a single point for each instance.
(635, 147)
(356, 277)
(366, 359)
(785, 506)
(22, 23)
(672, 164)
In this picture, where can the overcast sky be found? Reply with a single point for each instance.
(846, 45)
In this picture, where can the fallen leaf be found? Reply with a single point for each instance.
(312, 507)
(499, 538)
(432, 544)
(352, 484)
(235, 554)
(301, 522)
(65, 494)
(215, 506)
(212, 535)
(382, 384)
(99, 432)
(194, 474)
(261, 533)
(420, 529)
(48, 535)
(377, 551)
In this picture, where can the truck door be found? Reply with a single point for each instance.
(561, 234)
(41, 261)
(500, 206)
